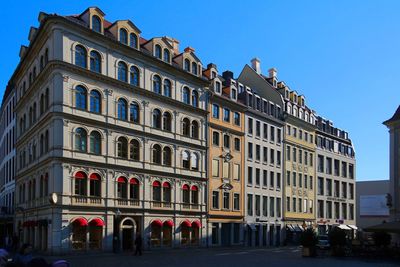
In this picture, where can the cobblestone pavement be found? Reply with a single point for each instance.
(219, 257)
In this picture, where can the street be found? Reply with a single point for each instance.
(219, 257)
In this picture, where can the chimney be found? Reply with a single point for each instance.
(228, 75)
(174, 43)
(255, 64)
(272, 75)
(189, 49)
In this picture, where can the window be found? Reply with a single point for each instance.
(294, 179)
(249, 175)
(279, 135)
(278, 180)
(157, 154)
(80, 97)
(80, 183)
(157, 191)
(122, 71)
(134, 112)
(265, 154)
(227, 115)
(227, 197)
(134, 189)
(217, 87)
(185, 159)
(80, 56)
(166, 188)
(194, 68)
(250, 204)
(167, 121)
(185, 194)
(328, 187)
(195, 195)
(95, 143)
(156, 84)
(237, 144)
(351, 171)
(167, 88)
(257, 176)
(134, 73)
(95, 185)
(186, 65)
(250, 150)
(272, 156)
(236, 118)
(258, 205)
(95, 61)
(272, 132)
(265, 126)
(215, 200)
(265, 178)
(186, 127)
(195, 130)
(328, 166)
(272, 207)
(320, 163)
(344, 169)
(167, 55)
(122, 147)
(80, 140)
(194, 161)
(123, 36)
(265, 206)
(215, 111)
(96, 24)
(227, 141)
(95, 101)
(122, 109)
(215, 167)
(258, 152)
(225, 169)
(278, 158)
(236, 171)
(134, 150)
(215, 138)
(157, 118)
(271, 179)
(258, 128)
(195, 98)
(287, 177)
(300, 156)
(133, 40)
(294, 205)
(186, 95)
(250, 126)
(236, 201)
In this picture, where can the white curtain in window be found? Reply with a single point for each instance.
(236, 171)
(225, 170)
(215, 168)
(194, 161)
(185, 155)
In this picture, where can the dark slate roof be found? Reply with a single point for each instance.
(395, 117)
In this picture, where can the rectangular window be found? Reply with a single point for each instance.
(344, 169)
(328, 165)
(329, 187)
(288, 204)
(320, 163)
(278, 158)
(257, 176)
(237, 144)
(236, 201)
(320, 209)
(336, 167)
(300, 205)
(300, 180)
(337, 189)
(258, 152)
(265, 154)
(272, 133)
(215, 111)
(305, 181)
(215, 138)
(271, 179)
(305, 158)
(351, 171)
(294, 205)
(236, 171)
(300, 156)
(294, 179)
(265, 178)
(329, 209)
(287, 177)
(258, 128)
(227, 115)
(272, 156)
(344, 211)
(311, 160)
(278, 180)
(265, 206)
(258, 204)
(265, 132)
(294, 154)
(250, 126)
(249, 175)
(215, 234)
(288, 153)
(272, 207)
(225, 170)
(311, 183)
(351, 191)
(250, 150)
(250, 204)
(227, 141)
(227, 198)
(279, 136)
(215, 168)
(236, 117)
(215, 200)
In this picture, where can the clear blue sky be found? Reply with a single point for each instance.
(344, 56)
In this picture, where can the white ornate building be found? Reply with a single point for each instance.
(111, 137)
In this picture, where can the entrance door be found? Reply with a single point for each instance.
(278, 235)
(226, 234)
(127, 239)
(271, 235)
(257, 235)
(249, 236)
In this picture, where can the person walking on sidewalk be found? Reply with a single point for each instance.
(138, 244)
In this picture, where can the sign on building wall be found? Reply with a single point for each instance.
(373, 205)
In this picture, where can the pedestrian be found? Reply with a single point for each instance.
(138, 244)
(24, 256)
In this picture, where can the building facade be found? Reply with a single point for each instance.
(225, 160)
(336, 178)
(118, 142)
(7, 167)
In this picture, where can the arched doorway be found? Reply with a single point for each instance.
(127, 233)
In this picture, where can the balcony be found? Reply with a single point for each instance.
(85, 200)
(128, 202)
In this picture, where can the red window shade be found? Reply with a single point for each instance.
(121, 179)
(96, 222)
(185, 187)
(166, 184)
(80, 175)
(80, 222)
(186, 223)
(94, 176)
(169, 223)
(196, 224)
(133, 181)
(157, 223)
(194, 188)
(156, 183)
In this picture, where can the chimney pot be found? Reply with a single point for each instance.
(256, 65)
(189, 49)
(272, 73)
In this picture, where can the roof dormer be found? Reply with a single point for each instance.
(94, 18)
(161, 48)
(32, 34)
(126, 33)
(189, 62)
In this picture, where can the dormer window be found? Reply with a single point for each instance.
(217, 87)
(258, 103)
(234, 94)
(167, 56)
(157, 51)
(133, 40)
(187, 65)
(194, 68)
(123, 36)
(213, 74)
(96, 24)
(241, 89)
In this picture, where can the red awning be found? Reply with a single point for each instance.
(121, 179)
(185, 187)
(166, 184)
(96, 222)
(194, 188)
(186, 223)
(169, 223)
(80, 175)
(157, 223)
(133, 181)
(156, 183)
(80, 222)
(94, 176)
(196, 224)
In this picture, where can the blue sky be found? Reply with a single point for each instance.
(344, 56)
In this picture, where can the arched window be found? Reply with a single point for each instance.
(167, 55)
(34, 112)
(134, 112)
(41, 144)
(166, 193)
(46, 99)
(195, 194)
(95, 101)
(96, 24)
(194, 68)
(157, 154)
(122, 147)
(167, 88)
(80, 97)
(95, 185)
(41, 104)
(157, 118)
(122, 187)
(134, 76)
(41, 63)
(195, 130)
(134, 189)
(46, 141)
(46, 56)
(156, 191)
(157, 51)
(133, 40)
(134, 150)
(194, 161)
(95, 143)
(167, 121)
(80, 183)
(95, 61)
(186, 95)
(187, 65)
(195, 98)
(186, 127)
(80, 140)
(123, 36)
(80, 56)
(167, 156)
(185, 194)
(186, 159)
(157, 84)
(30, 116)
(122, 71)
(122, 109)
